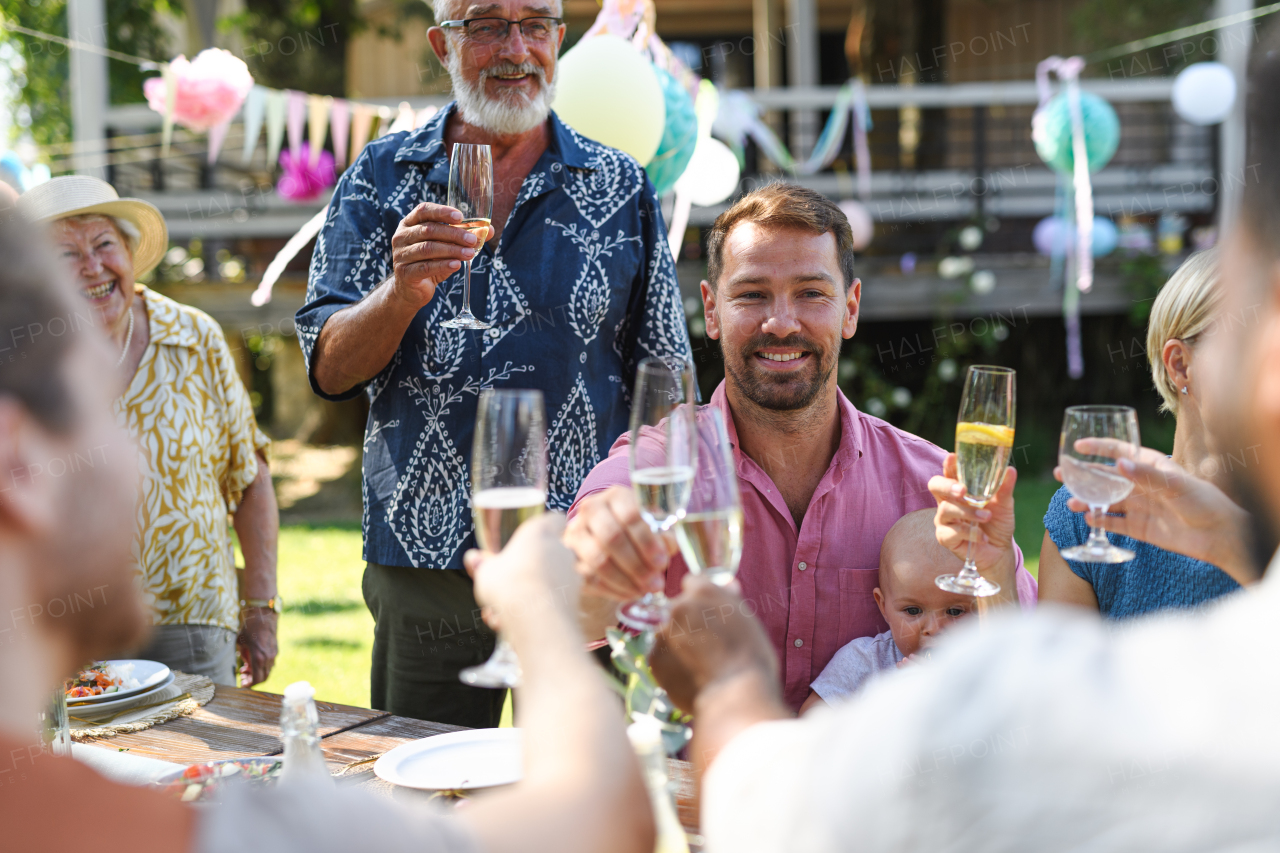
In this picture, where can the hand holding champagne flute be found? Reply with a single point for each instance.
(471, 192)
(508, 487)
(984, 443)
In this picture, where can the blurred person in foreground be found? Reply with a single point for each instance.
(202, 456)
(576, 278)
(69, 535)
(1186, 313)
(1045, 731)
(821, 482)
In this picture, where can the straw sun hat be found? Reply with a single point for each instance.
(81, 195)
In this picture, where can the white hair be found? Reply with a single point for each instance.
(440, 8)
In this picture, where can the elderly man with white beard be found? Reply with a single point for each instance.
(575, 279)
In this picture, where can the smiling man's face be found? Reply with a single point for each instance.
(780, 311)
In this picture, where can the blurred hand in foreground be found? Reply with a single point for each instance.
(534, 571)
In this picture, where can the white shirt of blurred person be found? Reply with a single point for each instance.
(202, 453)
(68, 537)
(915, 608)
(1045, 731)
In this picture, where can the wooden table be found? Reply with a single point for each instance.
(243, 723)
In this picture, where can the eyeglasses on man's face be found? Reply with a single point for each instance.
(493, 30)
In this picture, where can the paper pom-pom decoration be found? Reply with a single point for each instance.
(301, 181)
(1204, 93)
(208, 90)
(1053, 235)
(678, 138)
(1051, 132)
(607, 91)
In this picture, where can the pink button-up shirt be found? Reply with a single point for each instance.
(811, 587)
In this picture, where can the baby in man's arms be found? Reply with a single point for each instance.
(909, 600)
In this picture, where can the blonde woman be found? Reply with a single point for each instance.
(1188, 514)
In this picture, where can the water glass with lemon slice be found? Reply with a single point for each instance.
(984, 442)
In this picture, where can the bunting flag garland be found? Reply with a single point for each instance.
(338, 123)
(361, 124)
(170, 98)
(255, 108)
(297, 116)
(217, 134)
(275, 125)
(317, 124)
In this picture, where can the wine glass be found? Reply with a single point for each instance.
(984, 442)
(508, 487)
(710, 533)
(1089, 471)
(471, 191)
(663, 454)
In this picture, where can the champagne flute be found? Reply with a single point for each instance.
(663, 454)
(984, 442)
(710, 533)
(471, 191)
(1091, 476)
(508, 487)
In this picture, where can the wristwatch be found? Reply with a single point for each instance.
(274, 604)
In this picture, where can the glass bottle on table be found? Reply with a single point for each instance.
(710, 533)
(299, 729)
(984, 443)
(508, 487)
(471, 192)
(663, 455)
(1088, 471)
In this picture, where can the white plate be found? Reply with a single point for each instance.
(98, 709)
(149, 673)
(478, 758)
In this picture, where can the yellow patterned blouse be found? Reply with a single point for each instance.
(191, 417)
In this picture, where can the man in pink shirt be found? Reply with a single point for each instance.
(821, 482)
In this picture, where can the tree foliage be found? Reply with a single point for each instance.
(298, 44)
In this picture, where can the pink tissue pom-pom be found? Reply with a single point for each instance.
(301, 182)
(209, 90)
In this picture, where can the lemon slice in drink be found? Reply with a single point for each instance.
(977, 433)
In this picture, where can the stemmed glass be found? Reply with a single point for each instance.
(710, 534)
(1088, 470)
(984, 442)
(508, 487)
(664, 451)
(471, 191)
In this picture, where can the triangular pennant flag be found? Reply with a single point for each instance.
(385, 120)
(317, 124)
(405, 118)
(255, 107)
(275, 125)
(338, 119)
(361, 124)
(296, 117)
(217, 133)
(170, 99)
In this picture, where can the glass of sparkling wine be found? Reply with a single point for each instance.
(471, 191)
(984, 442)
(1088, 470)
(664, 451)
(508, 487)
(710, 534)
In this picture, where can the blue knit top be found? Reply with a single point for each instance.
(1155, 579)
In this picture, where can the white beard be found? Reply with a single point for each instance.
(496, 116)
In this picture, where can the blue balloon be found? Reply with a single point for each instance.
(679, 137)
(1051, 132)
(1054, 236)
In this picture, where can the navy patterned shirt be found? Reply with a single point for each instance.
(580, 287)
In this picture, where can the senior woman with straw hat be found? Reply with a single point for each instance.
(201, 453)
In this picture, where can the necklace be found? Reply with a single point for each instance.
(128, 339)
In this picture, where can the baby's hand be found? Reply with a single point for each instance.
(909, 660)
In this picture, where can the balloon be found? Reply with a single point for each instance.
(860, 222)
(712, 175)
(1051, 132)
(1203, 93)
(1054, 233)
(608, 92)
(679, 138)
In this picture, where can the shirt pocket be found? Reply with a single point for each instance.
(859, 616)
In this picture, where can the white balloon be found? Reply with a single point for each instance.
(608, 92)
(1203, 93)
(860, 223)
(712, 173)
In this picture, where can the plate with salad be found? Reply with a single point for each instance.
(110, 680)
(199, 783)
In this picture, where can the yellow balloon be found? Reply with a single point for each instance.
(608, 92)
